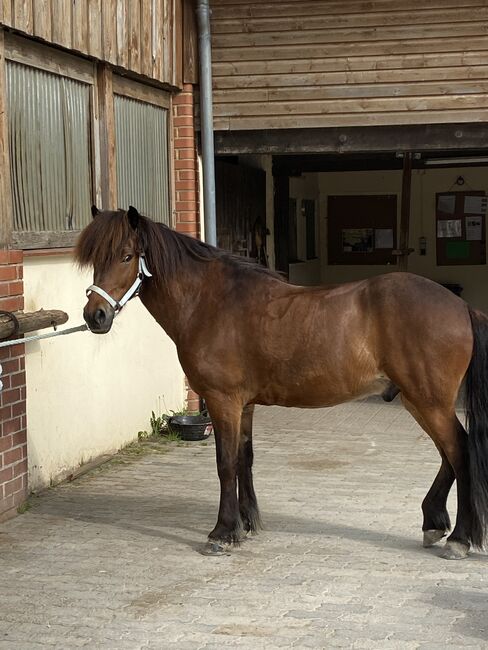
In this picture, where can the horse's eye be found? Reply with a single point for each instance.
(127, 258)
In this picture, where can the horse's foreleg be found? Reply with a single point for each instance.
(248, 504)
(226, 421)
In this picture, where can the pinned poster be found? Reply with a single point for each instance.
(357, 240)
(446, 203)
(474, 228)
(475, 204)
(449, 228)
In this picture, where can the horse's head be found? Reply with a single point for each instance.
(110, 244)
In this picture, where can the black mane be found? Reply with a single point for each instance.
(167, 252)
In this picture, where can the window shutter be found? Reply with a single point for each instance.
(49, 140)
(141, 132)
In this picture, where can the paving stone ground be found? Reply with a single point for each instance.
(111, 561)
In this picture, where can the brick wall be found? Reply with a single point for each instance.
(13, 433)
(185, 163)
(186, 180)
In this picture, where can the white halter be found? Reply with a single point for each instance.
(130, 293)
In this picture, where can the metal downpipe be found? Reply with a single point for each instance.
(206, 120)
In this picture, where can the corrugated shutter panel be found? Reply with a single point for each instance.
(142, 157)
(49, 138)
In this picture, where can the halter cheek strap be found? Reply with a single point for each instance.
(130, 293)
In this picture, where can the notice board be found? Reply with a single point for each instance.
(461, 228)
(362, 229)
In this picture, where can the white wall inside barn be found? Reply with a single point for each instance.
(88, 395)
(425, 184)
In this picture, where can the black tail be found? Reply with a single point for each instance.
(477, 426)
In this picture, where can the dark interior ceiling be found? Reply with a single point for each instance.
(294, 165)
(299, 164)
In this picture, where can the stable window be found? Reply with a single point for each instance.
(142, 157)
(49, 140)
(49, 99)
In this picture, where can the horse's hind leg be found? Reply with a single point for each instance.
(454, 443)
(434, 507)
(449, 435)
(248, 504)
(436, 521)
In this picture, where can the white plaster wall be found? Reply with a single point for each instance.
(425, 184)
(90, 394)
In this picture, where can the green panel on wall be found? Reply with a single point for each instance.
(457, 250)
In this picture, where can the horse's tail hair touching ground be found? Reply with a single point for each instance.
(477, 426)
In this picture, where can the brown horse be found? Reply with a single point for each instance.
(245, 336)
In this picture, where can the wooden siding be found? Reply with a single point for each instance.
(324, 63)
(143, 36)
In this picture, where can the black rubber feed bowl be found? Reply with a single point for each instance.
(191, 427)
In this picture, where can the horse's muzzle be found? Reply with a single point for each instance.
(99, 319)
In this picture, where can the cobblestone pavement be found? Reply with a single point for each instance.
(111, 561)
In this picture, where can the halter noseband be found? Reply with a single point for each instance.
(130, 293)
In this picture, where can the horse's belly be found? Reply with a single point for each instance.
(318, 393)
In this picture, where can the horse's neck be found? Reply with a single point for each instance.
(173, 305)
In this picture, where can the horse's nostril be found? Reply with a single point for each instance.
(99, 317)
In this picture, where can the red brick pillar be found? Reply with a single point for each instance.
(186, 181)
(185, 163)
(13, 426)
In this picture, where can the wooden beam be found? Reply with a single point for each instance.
(5, 190)
(44, 239)
(436, 137)
(190, 43)
(107, 137)
(31, 322)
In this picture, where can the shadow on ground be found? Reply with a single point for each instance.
(470, 607)
(156, 517)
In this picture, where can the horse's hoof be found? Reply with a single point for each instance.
(215, 549)
(432, 536)
(455, 551)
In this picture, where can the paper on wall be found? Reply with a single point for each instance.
(446, 203)
(357, 240)
(474, 228)
(449, 228)
(475, 204)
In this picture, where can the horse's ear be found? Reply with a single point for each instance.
(133, 217)
(94, 211)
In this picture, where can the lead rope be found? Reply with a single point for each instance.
(49, 335)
